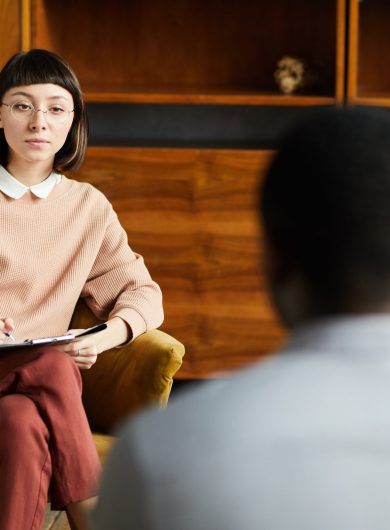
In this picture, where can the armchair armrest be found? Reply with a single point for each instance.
(126, 379)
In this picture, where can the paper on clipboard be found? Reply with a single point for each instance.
(51, 341)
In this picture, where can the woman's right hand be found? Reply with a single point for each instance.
(6, 326)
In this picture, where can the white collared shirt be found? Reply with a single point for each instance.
(15, 189)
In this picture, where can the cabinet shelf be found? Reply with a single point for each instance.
(179, 51)
(208, 97)
(369, 39)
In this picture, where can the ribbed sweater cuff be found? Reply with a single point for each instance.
(133, 319)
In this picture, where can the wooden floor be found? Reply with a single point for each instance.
(55, 520)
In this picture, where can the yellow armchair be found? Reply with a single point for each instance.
(124, 380)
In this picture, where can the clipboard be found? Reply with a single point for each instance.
(51, 341)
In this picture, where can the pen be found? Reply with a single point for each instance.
(8, 334)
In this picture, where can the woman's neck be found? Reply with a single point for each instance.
(29, 174)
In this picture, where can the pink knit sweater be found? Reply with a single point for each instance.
(54, 250)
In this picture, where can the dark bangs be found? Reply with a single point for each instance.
(37, 67)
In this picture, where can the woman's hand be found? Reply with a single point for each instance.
(86, 349)
(6, 326)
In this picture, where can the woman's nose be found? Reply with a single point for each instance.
(38, 120)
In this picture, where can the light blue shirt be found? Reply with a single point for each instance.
(299, 442)
(11, 187)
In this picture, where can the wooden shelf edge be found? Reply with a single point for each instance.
(107, 150)
(353, 50)
(25, 39)
(213, 99)
(372, 101)
(341, 17)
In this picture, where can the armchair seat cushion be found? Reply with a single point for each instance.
(103, 443)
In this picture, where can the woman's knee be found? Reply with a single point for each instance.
(21, 424)
(53, 368)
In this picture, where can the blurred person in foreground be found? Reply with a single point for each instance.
(300, 441)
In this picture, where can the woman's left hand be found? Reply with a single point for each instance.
(86, 349)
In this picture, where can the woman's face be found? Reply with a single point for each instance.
(36, 136)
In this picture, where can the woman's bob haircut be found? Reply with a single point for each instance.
(38, 67)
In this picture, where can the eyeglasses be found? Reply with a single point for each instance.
(23, 111)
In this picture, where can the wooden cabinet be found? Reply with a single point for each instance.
(190, 51)
(192, 214)
(369, 45)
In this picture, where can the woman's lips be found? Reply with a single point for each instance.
(37, 142)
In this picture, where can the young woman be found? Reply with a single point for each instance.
(60, 240)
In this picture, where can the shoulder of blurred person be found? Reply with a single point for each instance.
(302, 439)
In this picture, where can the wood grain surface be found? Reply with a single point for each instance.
(10, 29)
(369, 38)
(192, 214)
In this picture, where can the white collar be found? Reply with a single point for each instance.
(15, 189)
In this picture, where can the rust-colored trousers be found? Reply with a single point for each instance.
(45, 440)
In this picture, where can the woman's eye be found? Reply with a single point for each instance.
(22, 106)
(56, 110)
